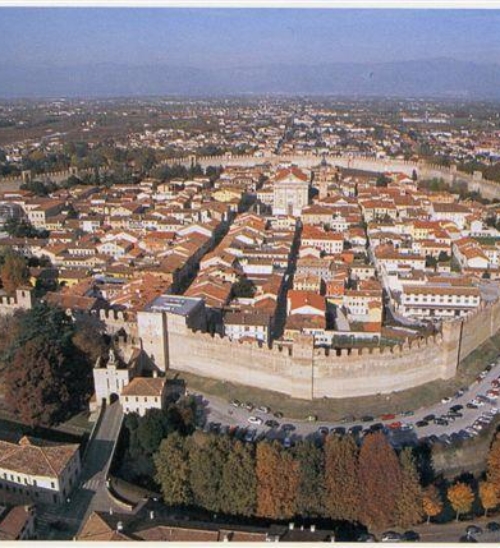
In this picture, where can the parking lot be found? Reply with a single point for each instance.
(455, 418)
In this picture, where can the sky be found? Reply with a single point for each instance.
(212, 38)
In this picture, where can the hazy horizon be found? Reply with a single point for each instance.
(212, 38)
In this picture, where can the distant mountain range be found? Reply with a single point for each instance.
(422, 78)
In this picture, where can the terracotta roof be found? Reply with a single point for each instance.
(11, 525)
(95, 528)
(298, 299)
(144, 386)
(293, 171)
(36, 457)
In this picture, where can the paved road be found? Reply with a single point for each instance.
(91, 494)
(219, 410)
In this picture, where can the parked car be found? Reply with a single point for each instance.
(367, 418)
(312, 418)
(355, 429)
(278, 414)
(456, 408)
(348, 418)
(288, 427)
(421, 424)
(250, 436)
(263, 409)
(254, 420)
(473, 530)
(249, 406)
(391, 536)
(388, 417)
(323, 430)
(411, 536)
(493, 526)
(271, 423)
(235, 403)
(429, 418)
(471, 405)
(366, 537)
(408, 413)
(395, 425)
(446, 399)
(338, 430)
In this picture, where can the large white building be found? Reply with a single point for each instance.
(291, 192)
(438, 302)
(38, 470)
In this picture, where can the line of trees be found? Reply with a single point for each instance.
(369, 484)
(340, 481)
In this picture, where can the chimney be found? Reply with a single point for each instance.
(155, 373)
(152, 515)
(291, 526)
(225, 538)
(313, 528)
(119, 526)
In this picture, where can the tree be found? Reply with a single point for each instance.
(488, 495)
(238, 491)
(342, 491)
(14, 272)
(461, 498)
(244, 288)
(493, 464)
(310, 493)
(44, 343)
(207, 457)
(409, 505)
(172, 470)
(379, 479)
(34, 382)
(431, 502)
(277, 481)
(89, 339)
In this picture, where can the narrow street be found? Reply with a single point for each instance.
(64, 521)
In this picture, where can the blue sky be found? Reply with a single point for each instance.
(231, 37)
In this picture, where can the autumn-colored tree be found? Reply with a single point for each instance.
(461, 498)
(207, 457)
(14, 272)
(172, 470)
(493, 464)
(342, 490)
(409, 506)
(310, 497)
(431, 502)
(89, 339)
(379, 480)
(277, 481)
(238, 491)
(35, 388)
(488, 495)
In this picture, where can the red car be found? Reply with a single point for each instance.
(388, 417)
(395, 425)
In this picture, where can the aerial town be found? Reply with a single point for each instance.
(244, 270)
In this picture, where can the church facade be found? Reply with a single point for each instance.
(291, 192)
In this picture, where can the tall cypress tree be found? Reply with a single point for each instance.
(379, 478)
(409, 505)
(342, 492)
(172, 470)
(310, 493)
(238, 492)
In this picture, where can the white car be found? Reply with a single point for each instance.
(255, 420)
(446, 400)
(263, 409)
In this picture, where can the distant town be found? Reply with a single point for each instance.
(249, 319)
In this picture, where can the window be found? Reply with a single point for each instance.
(34, 483)
(52, 484)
